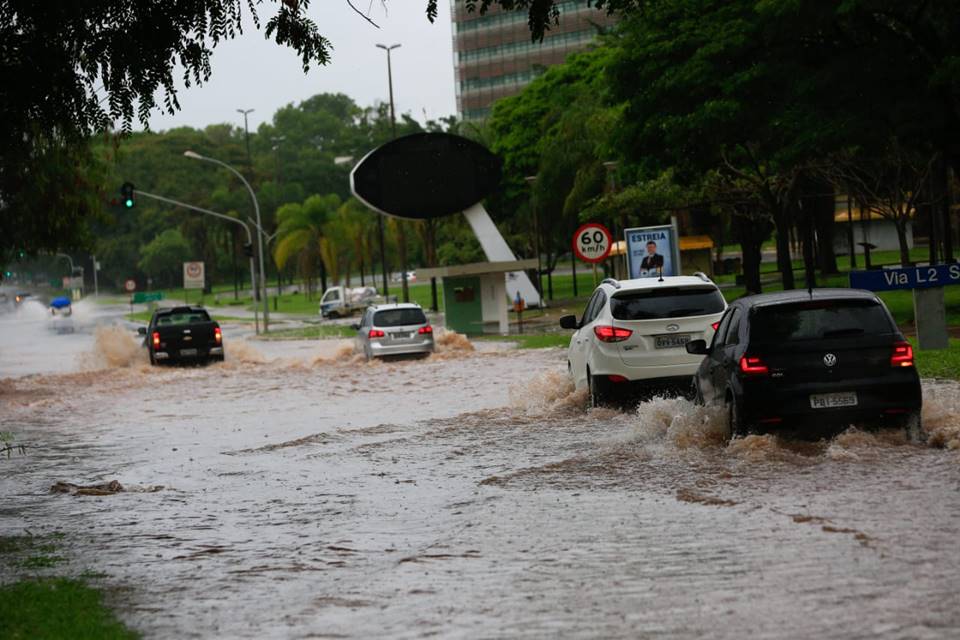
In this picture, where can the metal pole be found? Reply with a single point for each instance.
(256, 209)
(393, 129)
(96, 267)
(531, 180)
(246, 133)
(253, 271)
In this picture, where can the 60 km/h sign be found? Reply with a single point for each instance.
(592, 242)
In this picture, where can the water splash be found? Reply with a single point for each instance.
(113, 347)
(550, 393)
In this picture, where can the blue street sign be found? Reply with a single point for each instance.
(937, 275)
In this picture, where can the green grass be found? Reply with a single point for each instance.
(312, 332)
(531, 340)
(144, 317)
(938, 364)
(57, 608)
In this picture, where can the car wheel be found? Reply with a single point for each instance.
(153, 361)
(695, 393)
(599, 390)
(367, 354)
(913, 428)
(333, 315)
(737, 427)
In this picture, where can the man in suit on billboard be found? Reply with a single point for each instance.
(653, 261)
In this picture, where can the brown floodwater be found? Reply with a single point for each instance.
(296, 491)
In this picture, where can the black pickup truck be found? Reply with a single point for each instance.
(183, 334)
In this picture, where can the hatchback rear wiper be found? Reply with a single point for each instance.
(849, 331)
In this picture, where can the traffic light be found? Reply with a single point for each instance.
(248, 249)
(126, 193)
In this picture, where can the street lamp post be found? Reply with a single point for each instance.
(393, 130)
(256, 209)
(246, 135)
(276, 147)
(532, 180)
(253, 270)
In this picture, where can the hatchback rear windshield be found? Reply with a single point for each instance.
(818, 320)
(398, 317)
(666, 303)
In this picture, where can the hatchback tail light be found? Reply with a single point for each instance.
(376, 333)
(156, 339)
(902, 355)
(217, 335)
(426, 329)
(753, 366)
(606, 333)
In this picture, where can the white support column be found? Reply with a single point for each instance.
(497, 250)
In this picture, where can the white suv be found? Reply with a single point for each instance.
(636, 331)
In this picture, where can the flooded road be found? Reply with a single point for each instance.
(297, 492)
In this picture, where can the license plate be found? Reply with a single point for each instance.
(671, 342)
(400, 336)
(188, 352)
(833, 400)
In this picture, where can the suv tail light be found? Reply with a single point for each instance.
(902, 355)
(606, 333)
(426, 329)
(156, 339)
(753, 366)
(715, 325)
(217, 335)
(376, 333)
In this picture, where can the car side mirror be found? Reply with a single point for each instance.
(355, 326)
(569, 322)
(142, 331)
(698, 348)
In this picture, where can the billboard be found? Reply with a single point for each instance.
(653, 251)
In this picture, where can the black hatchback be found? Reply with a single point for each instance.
(799, 358)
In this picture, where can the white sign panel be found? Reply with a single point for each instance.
(653, 251)
(193, 275)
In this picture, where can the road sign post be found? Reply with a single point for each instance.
(927, 283)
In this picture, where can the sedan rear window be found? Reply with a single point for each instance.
(398, 317)
(666, 302)
(818, 320)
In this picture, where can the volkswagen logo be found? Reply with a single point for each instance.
(673, 327)
(830, 360)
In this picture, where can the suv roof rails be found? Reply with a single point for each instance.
(612, 282)
(703, 276)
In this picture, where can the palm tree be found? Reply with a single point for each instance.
(300, 234)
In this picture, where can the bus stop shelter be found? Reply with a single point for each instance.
(475, 297)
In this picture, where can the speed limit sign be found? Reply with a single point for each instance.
(130, 286)
(592, 242)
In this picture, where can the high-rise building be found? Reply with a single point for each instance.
(494, 56)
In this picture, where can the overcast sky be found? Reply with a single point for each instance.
(251, 72)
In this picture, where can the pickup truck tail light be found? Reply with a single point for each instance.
(376, 333)
(156, 339)
(753, 366)
(426, 329)
(606, 333)
(217, 335)
(902, 355)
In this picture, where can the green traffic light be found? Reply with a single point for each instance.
(128, 203)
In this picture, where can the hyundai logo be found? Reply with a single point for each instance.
(673, 327)
(830, 360)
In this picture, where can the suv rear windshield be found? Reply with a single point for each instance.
(398, 317)
(667, 302)
(818, 320)
(183, 318)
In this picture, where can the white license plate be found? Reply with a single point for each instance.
(400, 336)
(671, 342)
(833, 400)
(188, 352)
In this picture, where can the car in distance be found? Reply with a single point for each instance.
(819, 357)
(393, 329)
(183, 334)
(632, 334)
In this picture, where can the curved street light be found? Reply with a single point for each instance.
(256, 208)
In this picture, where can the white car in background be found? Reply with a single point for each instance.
(633, 335)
